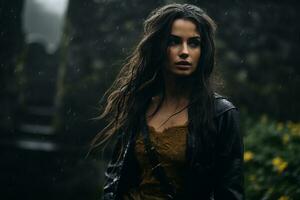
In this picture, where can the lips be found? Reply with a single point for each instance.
(182, 63)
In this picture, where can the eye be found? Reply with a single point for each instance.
(195, 42)
(173, 41)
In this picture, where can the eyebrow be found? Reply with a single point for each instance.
(178, 37)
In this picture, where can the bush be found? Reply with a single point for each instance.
(271, 157)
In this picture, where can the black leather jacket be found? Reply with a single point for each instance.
(221, 180)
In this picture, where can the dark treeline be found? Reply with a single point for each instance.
(256, 51)
(52, 99)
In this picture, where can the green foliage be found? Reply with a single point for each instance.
(271, 158)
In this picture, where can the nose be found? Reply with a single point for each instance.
(184, 53)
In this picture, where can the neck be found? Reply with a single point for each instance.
(177, 89)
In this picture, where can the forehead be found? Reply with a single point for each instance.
(184, 27)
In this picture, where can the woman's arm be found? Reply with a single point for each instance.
(229, 166)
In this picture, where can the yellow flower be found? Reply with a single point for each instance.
(295, 130)
(290, 124)
(285, 138)
(248, 155)
(283, 197)
(279, 164)
(279, 126)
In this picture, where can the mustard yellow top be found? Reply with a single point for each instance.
(170, 145)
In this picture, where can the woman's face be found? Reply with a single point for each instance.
(183, 52)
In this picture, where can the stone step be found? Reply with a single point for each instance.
(36, 145)
(36, 129)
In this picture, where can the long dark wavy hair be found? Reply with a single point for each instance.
(141, 77)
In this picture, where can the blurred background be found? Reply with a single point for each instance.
(57, 57)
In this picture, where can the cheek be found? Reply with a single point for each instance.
(171, 54)
(168, 60)
(197, 55)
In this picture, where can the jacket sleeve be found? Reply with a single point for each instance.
(229, 163)
(112, 174)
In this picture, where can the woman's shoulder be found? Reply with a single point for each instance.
(222, 104)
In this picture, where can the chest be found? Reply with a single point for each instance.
(164, 119)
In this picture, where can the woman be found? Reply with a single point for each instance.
(177, 139)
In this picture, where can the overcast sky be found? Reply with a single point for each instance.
(53, 6)
(43, 22)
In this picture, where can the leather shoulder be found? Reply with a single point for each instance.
(222, 105)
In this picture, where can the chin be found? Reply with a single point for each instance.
(182, 73)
